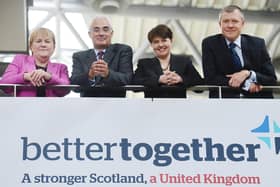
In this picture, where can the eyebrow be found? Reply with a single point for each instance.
(106, 26)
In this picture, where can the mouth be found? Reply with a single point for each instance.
(161, 49)
(230, 31)
(101, 39)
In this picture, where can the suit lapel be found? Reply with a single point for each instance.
(50, 67)
(175, 65)
(223, 49)
(245, 52)
(91, 57)
(30, 66)
(109, 54)
(156, 66)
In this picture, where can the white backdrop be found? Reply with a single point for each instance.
(50, 120)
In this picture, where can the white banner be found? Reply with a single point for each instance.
(139, 142)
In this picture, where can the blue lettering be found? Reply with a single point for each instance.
(162, 154)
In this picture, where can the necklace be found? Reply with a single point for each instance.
(165, 68)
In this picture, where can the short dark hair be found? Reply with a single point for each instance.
(229, 9)
(160, 31)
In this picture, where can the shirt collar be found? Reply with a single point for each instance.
(96, 51)
(237, 42)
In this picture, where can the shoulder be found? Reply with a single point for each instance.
(212, 38)
(144, 61)
(23, 58)
(181, 57)
(82, 53)
(252, 40)
(119, 47)
(59, 65)
(186, 59)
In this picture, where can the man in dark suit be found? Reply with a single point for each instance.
(102, 70)
(236, 60)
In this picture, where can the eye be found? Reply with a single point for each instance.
(225, 21)
(106, 29)
(38, 40)
(96, 29)
(155, 42)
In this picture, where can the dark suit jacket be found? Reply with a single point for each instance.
(119, 59)
(149, 70)
(218, 62)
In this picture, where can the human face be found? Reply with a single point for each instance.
(101, 33)
(161, 47)
(231, 24)
(42, 47)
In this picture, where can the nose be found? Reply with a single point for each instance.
(160, 44)
(230, 24)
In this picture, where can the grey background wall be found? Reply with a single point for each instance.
(13, 22)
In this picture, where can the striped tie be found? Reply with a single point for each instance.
(236, 59)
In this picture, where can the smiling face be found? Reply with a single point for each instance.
(161, 46)
(160, 38)
(231, 24)
(42, 44)
(101, 33)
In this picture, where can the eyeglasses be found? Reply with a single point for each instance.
(105, 29)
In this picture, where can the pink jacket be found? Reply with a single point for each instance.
(24, 63)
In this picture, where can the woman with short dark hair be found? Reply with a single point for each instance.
(165, 75)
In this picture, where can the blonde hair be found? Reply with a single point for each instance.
(41, 31)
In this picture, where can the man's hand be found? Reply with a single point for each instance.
(98, 68)
(236, 79)
(255, 88)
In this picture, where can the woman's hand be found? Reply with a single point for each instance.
(37, 77)
(174, 78)
(170, 78)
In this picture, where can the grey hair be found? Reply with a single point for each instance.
(101, 17)
(229, 9)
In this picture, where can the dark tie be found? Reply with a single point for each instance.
(100, 55)
(236, 59)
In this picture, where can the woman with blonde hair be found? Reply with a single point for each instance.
(36, 69)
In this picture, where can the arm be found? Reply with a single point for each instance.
(210, 70)
(14, 73)
(143, 77)
(266, 73)
(191, 77)
(79, 74)
(60, 78)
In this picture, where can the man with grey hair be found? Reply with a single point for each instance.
(106, 66)
(236, 60)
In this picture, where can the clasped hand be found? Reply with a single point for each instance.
(98, 68)
(170, 78)
(236, 79)
(37, 77)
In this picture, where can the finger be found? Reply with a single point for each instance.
(35, 76)
(33, 83)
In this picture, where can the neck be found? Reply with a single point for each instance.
(164, 60)
(42, 62)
